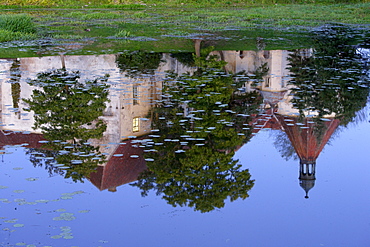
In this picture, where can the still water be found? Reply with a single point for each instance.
(215, 148)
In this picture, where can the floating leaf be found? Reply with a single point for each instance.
(66, 197)
(11, 221)
(65, 216)
(60, 210)
(4, 200)
(18, 191)
(42, 201)
(20, 200)
(78, 192)
(84, 211)
(56, 236)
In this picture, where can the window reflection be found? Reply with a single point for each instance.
(135, 124)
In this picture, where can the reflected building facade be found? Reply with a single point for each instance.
(126, 114)
(131, 98)
(307, 136)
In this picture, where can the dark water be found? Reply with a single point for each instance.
(215, 148)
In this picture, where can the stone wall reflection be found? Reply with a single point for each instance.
(128, 114)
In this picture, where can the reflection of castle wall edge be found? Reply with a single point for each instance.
(249, 61)
(118, 115)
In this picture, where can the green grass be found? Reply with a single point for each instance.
(68, 36)
(6, 35)
(133, 4)
(100, 25)
(123, 34)
(17, 23)
(16, 27)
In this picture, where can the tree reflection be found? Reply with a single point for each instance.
(67, 112)
(15, 77)
(333, 79)
(329, 87)
(191, 158)
(138, 62)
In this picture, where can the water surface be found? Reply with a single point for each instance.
(211, 148)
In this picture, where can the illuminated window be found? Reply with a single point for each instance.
(135, 124)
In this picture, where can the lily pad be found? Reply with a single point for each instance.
(65, 216)
(84, 211)
(18, 191)
(66, 197)
(11, 221)
(56, 236)
(60, 210)
(42, 201)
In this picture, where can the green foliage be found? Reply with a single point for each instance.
(55, 106)
(22, 23)
(185, 58)
(6, 35)
(67, 111)
(68, 36)
(129, 4)
(140, 15)
(333, 79)
(16, 27)
(208, 61)
(15, 76)
(123, 34)
(72, 160)
(138, 62)
(99, 15)
(198, 132)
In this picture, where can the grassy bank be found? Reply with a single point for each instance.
(172, 3)
(126, 25)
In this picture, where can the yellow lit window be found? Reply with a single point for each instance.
(135, 124)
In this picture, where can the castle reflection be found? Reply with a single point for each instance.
(271, 75)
